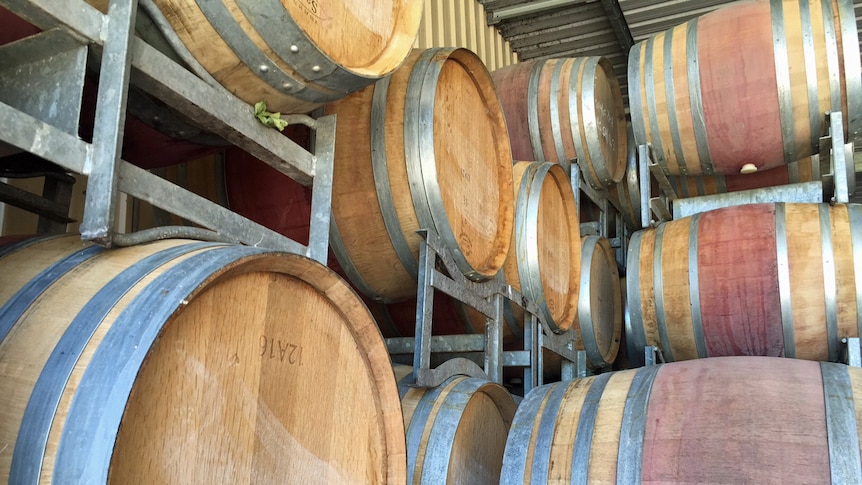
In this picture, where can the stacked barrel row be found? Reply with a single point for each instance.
(743, 89)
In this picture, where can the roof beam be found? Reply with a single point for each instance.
(525, 9)
(619, 25)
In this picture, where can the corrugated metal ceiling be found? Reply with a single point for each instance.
(539, 29)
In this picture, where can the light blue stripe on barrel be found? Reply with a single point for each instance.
(633, 429)
(649, 77)
(12, 310)
(841, 427)
(94, 417)
(45, 398)
(518, 441)
(586, 425)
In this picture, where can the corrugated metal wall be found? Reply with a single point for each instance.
(461, 23)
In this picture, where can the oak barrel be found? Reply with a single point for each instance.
(561, 109)
(805, 170)
(545, 265)
(761, 279)
(424, 148)
(722, 420)
(181, 361)
(600, 308)
(456, 433)
(295, 55)
(701, 92)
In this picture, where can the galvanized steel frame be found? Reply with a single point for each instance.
(836, 184)
(126, 59)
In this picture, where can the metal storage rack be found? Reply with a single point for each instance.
(488, 298)
(835, 171)
(54, 64)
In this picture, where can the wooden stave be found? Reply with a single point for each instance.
(72, 457)
(692, 333)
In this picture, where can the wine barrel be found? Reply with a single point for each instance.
(600, 309)
(425, 148)
(702, 91)
(722, 420)
(543, 263)
(546, 263)
(299, 55)
(456, 433)
(761, 279)
(181, 361)
(561, 109)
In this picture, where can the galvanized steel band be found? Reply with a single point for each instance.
(815, 116)
(634, 92)
(554, 104)
(18, 303)
(829, 282)
(694, 289)
(670, 97)
(845, 465)
(635, 333)
(696, 95)
(855, 220)
(782, 78)
(852, 69)
(658, 289)
(533, 111)
(416, 428)
(575, 79)
(633, 426)
(255, 60)
(32, 440)
(651, 104)
(380, 169)
(94, 416)
(586, 427)
(545, 435)
(518, 441)
(833, 61)
(591, 122)
(783, 267)
(290, 42)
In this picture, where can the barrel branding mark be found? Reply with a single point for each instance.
(280, 350)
